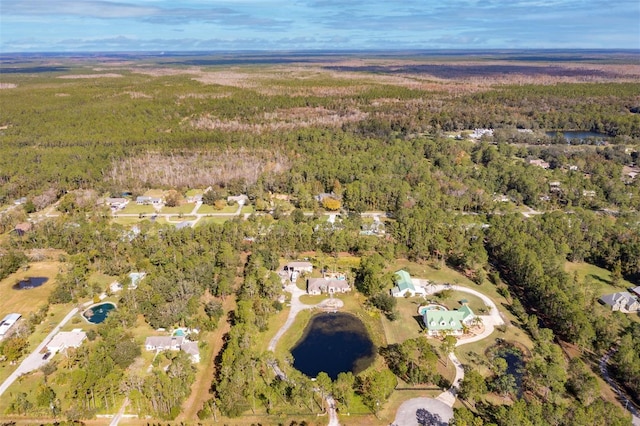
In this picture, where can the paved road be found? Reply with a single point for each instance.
(628, 405)
(34, 360)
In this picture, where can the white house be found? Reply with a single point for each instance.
(8, 322)
(66, 339)
(300, 267)
(404, 286)
(173, 343)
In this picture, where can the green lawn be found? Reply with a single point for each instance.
(127, 220)
(597, 277)
(408, 325)
(247, 209)
(194, 192)
(26, 301)
(214, 219)
(184, 209)
(133, 208)
(207, 209)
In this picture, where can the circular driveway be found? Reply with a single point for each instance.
(408, 412)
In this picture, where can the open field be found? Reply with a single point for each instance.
(183, 208)
(207, 209)
(598, 278)
(133, 208)
(26, 301)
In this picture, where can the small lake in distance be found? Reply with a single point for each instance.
(333, 343)
(577, 135)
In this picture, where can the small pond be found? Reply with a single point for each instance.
(334, 343)
(98, 313)
(515, 363)
(29, 283)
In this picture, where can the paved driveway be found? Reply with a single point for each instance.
(407, 414)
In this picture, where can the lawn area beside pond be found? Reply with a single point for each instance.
(28, 300)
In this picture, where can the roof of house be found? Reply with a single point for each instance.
(326, 283)
(24, 226)
(67, 339)
(616, 298)
(7, 322)
(190, 347)
(10, 318)
(299, 264)
(403, 280)
(163, 341)
(447, 320)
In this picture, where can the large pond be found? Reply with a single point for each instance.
(29, 283)
(98, 313)
(577, 135)
(333, 343)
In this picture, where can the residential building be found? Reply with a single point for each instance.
(116, 203)
(8, 322)
(145, 200)
(539, 163)
(300, 267)
(173, 343)
(622, 301)
(327, 285)
(66, 339)
(23, 228)
(404, 285)
(450, 322)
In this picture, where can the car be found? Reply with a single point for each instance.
(46, 355)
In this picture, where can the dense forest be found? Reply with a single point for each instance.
(479, 206)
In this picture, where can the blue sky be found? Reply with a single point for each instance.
(162, 25)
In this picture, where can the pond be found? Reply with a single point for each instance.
(98, 313)
(29, 283)
(577, 135)
(515, 363)
(334, 343)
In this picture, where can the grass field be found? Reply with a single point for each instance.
(183, 208)
(207, 209)
(133, 208)
(214, 219)
(598, 277)
(26, 301)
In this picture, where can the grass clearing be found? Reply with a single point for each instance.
(181, 209)
(26, 301)
(133, 208)
(599, 278)
(207, 209)
(214, 219)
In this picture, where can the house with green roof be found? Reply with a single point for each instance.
(404, 285)
(451, 322)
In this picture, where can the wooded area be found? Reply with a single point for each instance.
(480, 206)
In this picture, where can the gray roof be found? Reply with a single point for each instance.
(323, 284)
(163, 341)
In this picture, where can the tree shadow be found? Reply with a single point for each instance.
(600, 279)
(425, 418)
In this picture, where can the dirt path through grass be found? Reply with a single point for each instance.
(200, 388)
